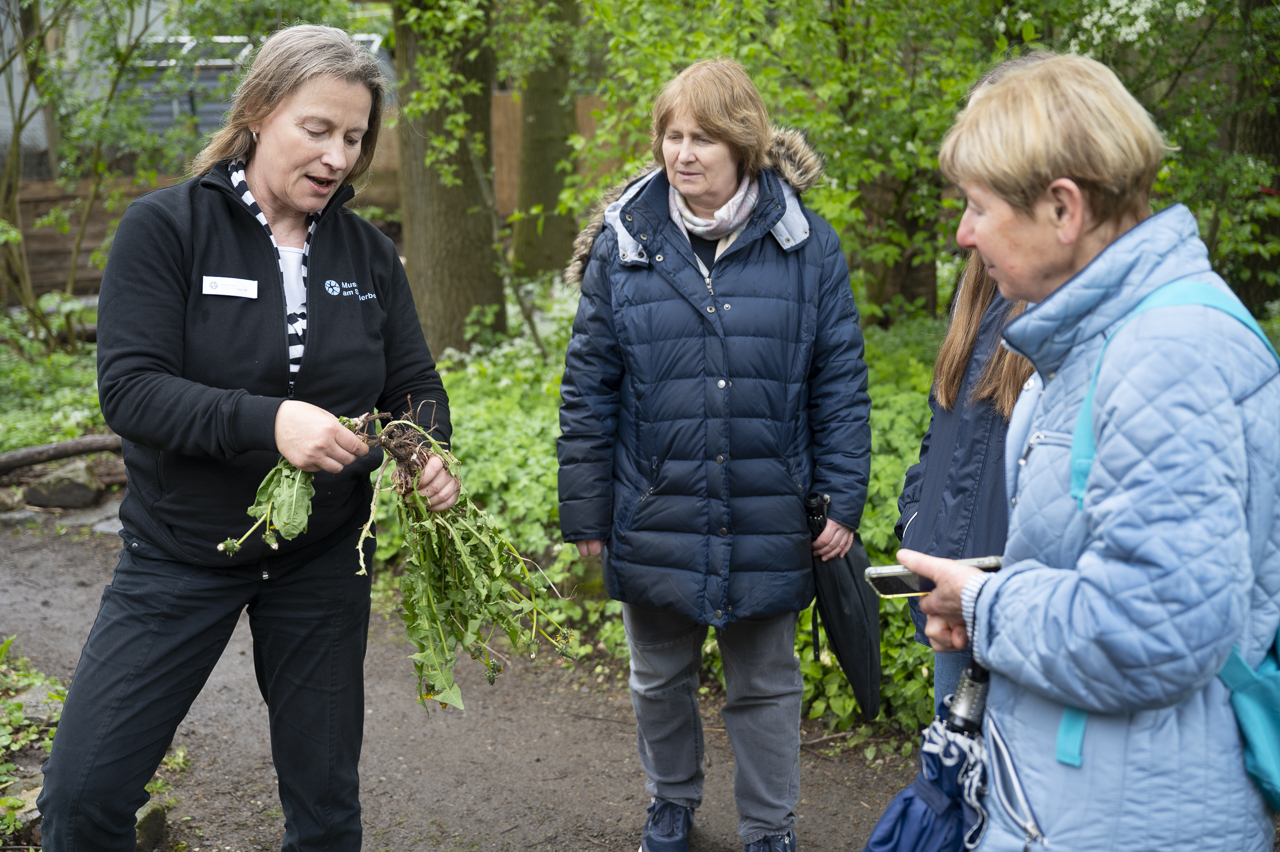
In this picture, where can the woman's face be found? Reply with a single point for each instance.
(1028, 256)
(704, 170)
(308, 145)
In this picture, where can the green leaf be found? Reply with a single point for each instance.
(266, 491)
(292, 499)
(1028, 32)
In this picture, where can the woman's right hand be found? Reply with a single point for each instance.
(313, 439)
(590, 547)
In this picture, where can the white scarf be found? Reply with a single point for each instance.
(728, 221)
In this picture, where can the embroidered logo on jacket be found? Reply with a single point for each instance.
(347, 288)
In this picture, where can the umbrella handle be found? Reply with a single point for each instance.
(970, 700)
(815, 512)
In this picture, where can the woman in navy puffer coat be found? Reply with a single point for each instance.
(709, 385)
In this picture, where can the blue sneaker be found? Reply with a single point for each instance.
(667, 828)
(776, 843)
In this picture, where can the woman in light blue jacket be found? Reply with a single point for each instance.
(1122, 597)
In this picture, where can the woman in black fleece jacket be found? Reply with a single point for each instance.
(240, 312)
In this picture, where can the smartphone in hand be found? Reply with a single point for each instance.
(895, 581)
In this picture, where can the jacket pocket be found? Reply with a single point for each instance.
(1045, 438)
(1009, 792)
(627, 511)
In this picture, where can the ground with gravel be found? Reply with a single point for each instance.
(545, 759)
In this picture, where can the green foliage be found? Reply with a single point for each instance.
(504, 403)
(17, 731)
(900, 373)
(176, 761)
(462, 583)
(876, 86)
(446, 30)
(48, 398)
(255, 19)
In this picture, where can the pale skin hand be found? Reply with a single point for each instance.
(835, 541)
(945, 627)
(437, 487)
(312, 439)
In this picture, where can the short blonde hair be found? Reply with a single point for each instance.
(1062, 117)
(286, 61)
(720, 96)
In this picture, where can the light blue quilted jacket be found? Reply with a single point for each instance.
(1128, 609)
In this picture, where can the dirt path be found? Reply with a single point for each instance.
(546, 759)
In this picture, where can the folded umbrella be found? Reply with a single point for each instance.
(941, 810)
(850, 612)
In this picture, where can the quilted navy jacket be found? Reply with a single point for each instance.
(1129, 608)
(953, 503)
(693, 425)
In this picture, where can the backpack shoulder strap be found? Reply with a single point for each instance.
(1176, 293)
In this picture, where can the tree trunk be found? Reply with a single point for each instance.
(450, 256)
(906, 277)
(545, 241)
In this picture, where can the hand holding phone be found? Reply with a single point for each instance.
(896, 581)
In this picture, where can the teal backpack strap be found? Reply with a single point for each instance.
(1170, 295)
(1071, 730)
(1236, 673)
(1070, 749)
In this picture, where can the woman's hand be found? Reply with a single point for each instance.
(590, 547)
(945, 627)
(437, 487)
(836, 539)
(313, 439)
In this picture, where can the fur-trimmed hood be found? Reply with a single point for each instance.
(790, 158)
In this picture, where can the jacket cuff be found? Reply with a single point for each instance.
(969, 602)
(255, 423)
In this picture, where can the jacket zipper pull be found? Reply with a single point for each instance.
(1031, 445)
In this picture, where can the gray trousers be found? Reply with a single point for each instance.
(761, 715)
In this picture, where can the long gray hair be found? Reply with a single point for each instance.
(289, 59)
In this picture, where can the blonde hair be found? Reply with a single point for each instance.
(721, 98)
(285, 62)
(1063, 117)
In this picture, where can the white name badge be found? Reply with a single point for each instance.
(245, 288)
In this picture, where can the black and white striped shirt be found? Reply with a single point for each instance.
(293, 271)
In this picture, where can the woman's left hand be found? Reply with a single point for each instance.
(945, 628)
(437, 487)
(835, 541)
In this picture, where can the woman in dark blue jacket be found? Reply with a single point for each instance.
(953, 501)
(715, 376)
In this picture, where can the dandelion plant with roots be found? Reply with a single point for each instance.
(463, 583)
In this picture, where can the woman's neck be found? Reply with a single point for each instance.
(289, 227)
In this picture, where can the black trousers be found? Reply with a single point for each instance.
(161, 627)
